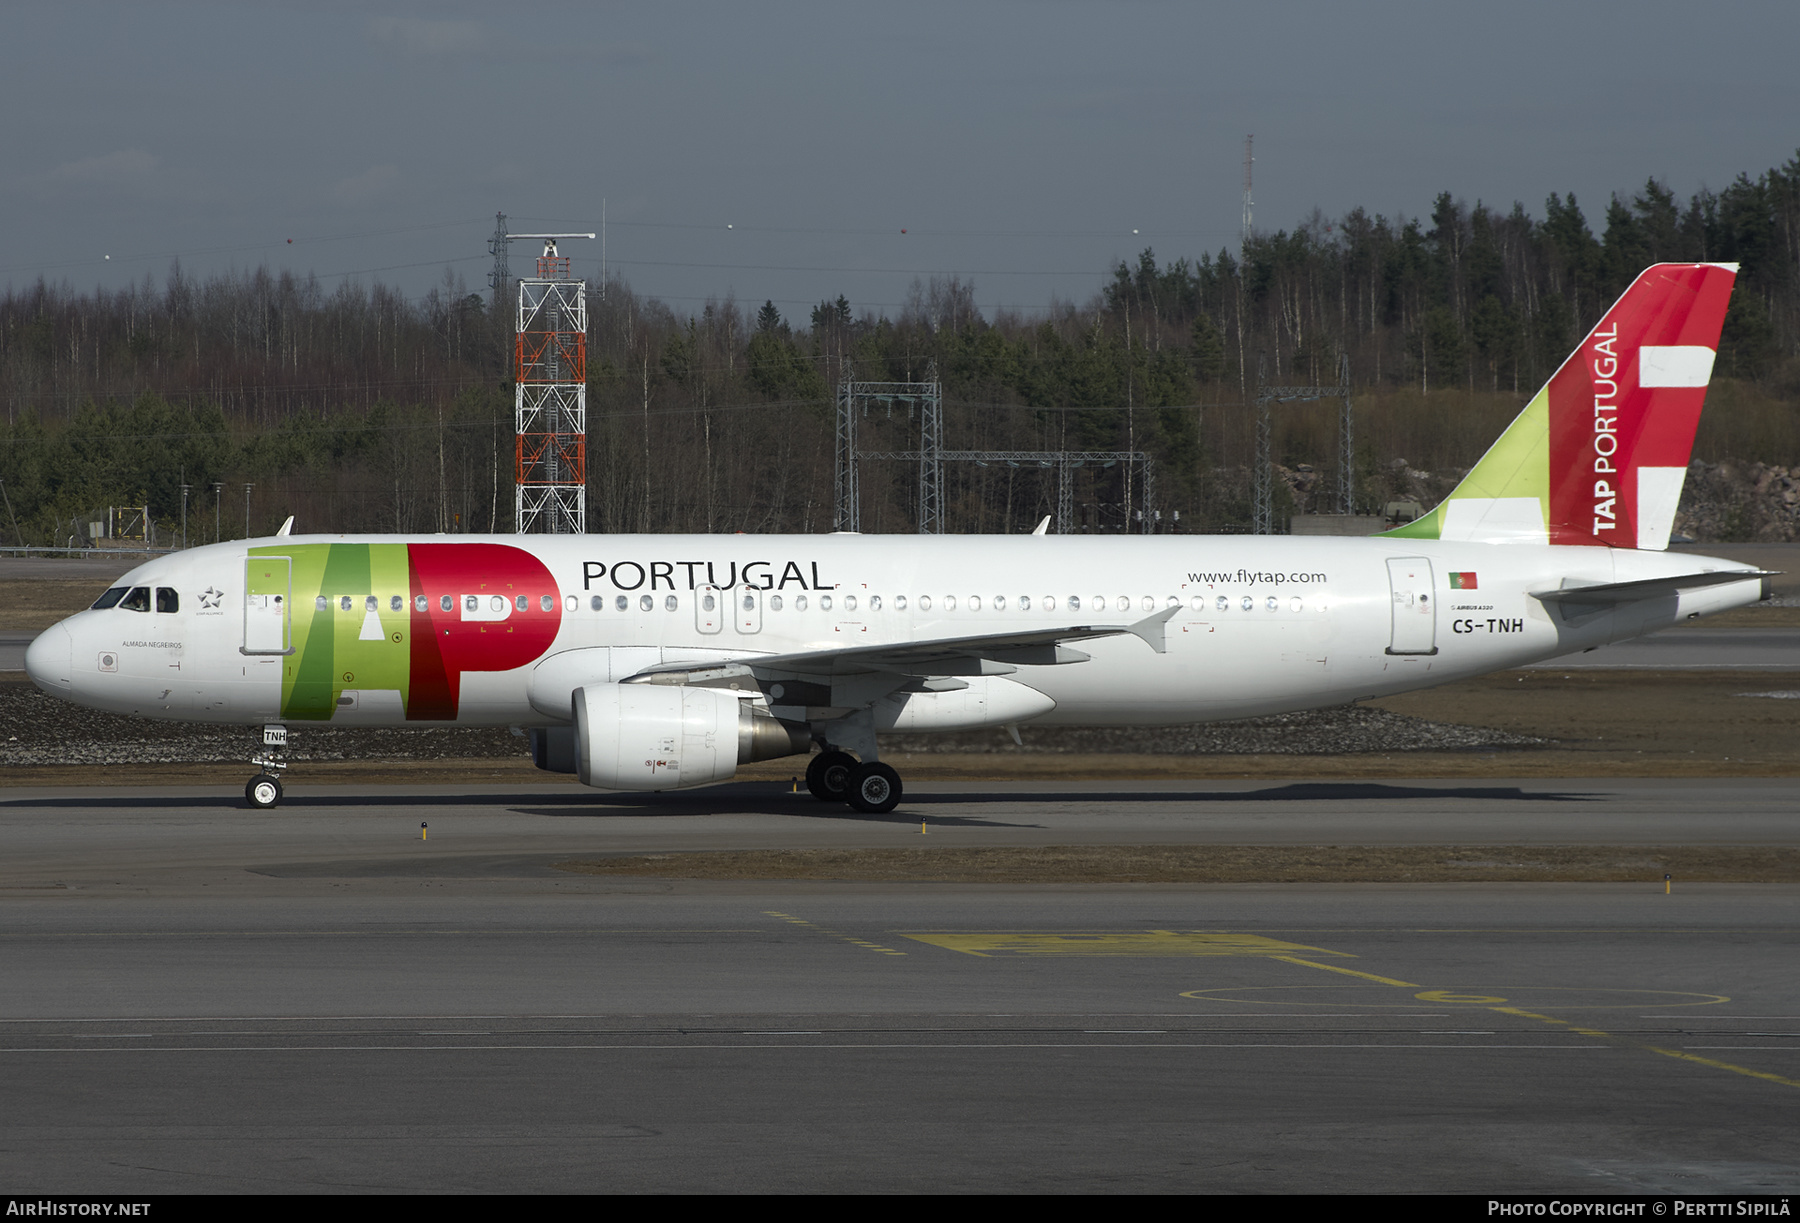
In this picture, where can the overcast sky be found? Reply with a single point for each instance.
(797, 151)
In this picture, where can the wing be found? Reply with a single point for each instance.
(987, 654)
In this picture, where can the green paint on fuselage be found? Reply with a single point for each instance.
(332, 654)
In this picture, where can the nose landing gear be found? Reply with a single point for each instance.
(264, 790)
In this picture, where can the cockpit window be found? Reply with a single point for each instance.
(167, 600)
(137, 600)
(110, 598)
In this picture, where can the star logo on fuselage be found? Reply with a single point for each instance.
(210, 597)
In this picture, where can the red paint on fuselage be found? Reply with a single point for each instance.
(445, 644)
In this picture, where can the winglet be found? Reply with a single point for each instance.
(1043, 526)
(1151, 629)
(287, 528)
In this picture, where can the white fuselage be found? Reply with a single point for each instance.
(1265, 624)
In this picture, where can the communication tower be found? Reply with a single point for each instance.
(1249, 204)
(550, 395)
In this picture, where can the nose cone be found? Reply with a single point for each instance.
(47, 660)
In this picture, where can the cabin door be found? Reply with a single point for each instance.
(268, 594)
(1415, 606)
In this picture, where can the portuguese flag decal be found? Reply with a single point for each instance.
(1463, 581)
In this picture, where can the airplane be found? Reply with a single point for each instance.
(662, 662)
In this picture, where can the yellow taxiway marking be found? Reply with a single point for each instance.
(1491, 1002)
(1707, 1061)
(801, 921)
(992, 943)
(1349, 972)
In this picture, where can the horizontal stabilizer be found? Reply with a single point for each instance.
(1607, 593)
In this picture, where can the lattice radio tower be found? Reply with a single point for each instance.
(550, 395)
(1249, 204)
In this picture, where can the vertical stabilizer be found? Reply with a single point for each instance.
(1598, 456)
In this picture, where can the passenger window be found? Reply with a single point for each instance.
(708, 603)
(109, 598)
(344, 603)
(396, 603)
(621, 603)
(321, 604)
(774, 602)
(1222, 603)
(371, 604)
(670, 603)
(874, 602)
(138, 600)
(750, 603)
(899, 602)
(849, 602)
(496, 603)
(1049, 602)
(949, 602)
(421, 603)
(974, 602)
(799, 602)
(471, 603)
(645, 603)
(924, 602)
(522, 603)
(167, 600)
(598, 602)
(570, 603)
(824, 602)
(446, 603)
(548, 603)
(1074, 602)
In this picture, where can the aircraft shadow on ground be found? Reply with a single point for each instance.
(754, 799)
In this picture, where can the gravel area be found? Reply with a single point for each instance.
(1318, 732)
(37, 730)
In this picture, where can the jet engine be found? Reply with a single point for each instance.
(671, 737)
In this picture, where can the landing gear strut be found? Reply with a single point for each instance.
(264, 790)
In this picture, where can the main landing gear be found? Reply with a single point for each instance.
(869, 786)
(264, 790)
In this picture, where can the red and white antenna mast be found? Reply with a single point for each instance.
(550, 396)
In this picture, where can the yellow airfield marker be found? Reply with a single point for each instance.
(1666, 883)
(796, 788)
(922, 828)
(421, 830)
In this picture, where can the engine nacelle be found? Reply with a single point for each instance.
(671, 737)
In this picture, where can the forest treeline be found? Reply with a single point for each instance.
(357, 408)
